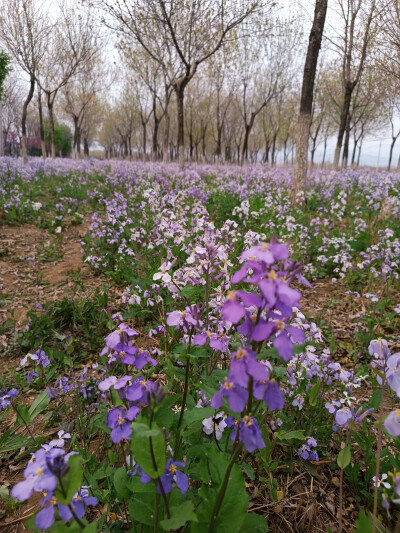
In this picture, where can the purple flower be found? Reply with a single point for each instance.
(171, 474)
(332, 407)
(271, 393)
(379, 348)
(393, 373)
(119, 421)
(236, 395)
(343, 415)
(45, 518)
(217, 342)
(245, 365)
(137, 392)
(392, 423)
(304, 452)
(232, 311)
(121, 335)
(5, 400)
(39, 475)
(249, 433)
(311, 442)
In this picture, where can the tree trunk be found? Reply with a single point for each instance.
(359, 152)
(307, 94)
(144, 141)
(273, 150)
(343, 122)
(245, 148)
(76, 120)
(324, 154)
(41, 128)
(50, 104)
(155, 138)
(23, 120)
(346, 143)
(353, 156)
(391, 152)
(167, 124)
(312, 151)
(78, 142)
(85, 147)
(180, 116)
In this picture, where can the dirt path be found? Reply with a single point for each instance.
(36, 266)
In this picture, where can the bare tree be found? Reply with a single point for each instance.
(25, 30)
(306, 102)
(180, 35)
(353, 45)
(71, 44)
(264, 70)
(81, 92)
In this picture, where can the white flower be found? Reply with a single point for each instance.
(215, 423)
(163, 273)
(379, 482)
(59, 443)
(36, 206)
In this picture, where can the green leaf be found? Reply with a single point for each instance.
(234, 507)
(315, 394)
(72, 481)
(344, 457)
(290, 435)
(120, 479)
(364, 523)
(91, 528)
(16, 444)
(179, 516)
(23, 417)
(254, 523)
(142, 508)
(142, 440)
(194, 415)
(39, 405)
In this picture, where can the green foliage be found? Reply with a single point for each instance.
(5, 69)
(63, 137)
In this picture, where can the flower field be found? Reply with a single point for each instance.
(184, 350)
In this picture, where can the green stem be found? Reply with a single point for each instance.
(185, 392)
(164, 496)
(24, 422)
(156, 513)
(221, 494)
(378, 458)
(81, 524)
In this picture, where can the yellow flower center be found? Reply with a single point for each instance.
(248, 421)
(280, 325)
(120, 420)
(39, 471)
(264, 246)
(241, 352)
(228, 384)
(208, 333)
(172, 469)
(398, 412)
(230, 295)
(272, 275)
